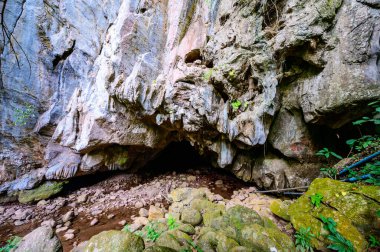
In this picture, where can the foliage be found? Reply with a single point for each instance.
(126, 228)
(378, 213)
(364, 142)
(152, 234)
(235, 105)
(338, 242)
(327, 153)
(194, 246)
(11, 244)
(139, 233)
(172, 223)
(245, 105)
(329, 172)
(316, 199)
(372, 169)
(303, 239)
(22, 116)
(373, 242)
(232, 74)
(376, 106)
(208, 74)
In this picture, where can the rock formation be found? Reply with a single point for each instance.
(91, 85)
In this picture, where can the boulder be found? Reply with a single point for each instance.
(44, 191)
(353, 207)
(115, 241)
(191, 216)
(40, 239)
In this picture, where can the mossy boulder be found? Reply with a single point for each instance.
(174, 239)
(240, 215)
(115, 241)
(186, 228)
(191, 216)
(352, 207)
(280, 208)
(44, 191)
(159, 249)
(260, 238)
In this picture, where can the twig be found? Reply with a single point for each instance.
(283, 190)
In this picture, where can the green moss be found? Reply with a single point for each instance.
(115, 241)
(44, 191)
(350, 206)
(280, 208)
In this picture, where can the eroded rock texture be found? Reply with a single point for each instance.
(108, 84)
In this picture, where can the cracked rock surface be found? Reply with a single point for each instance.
(94, 85)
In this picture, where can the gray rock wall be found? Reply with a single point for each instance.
(108, 84)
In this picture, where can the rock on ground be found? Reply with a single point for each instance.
(40, 239)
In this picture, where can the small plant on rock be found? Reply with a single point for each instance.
(126, 228)
(316, 199)
(303, 240)
(22, 116)
(235, 105)
(373, 242)
(11, 244)
(338, 242)
(328, 153)
(172, 223)
(152, 233)
(208, 74)
(329, 172)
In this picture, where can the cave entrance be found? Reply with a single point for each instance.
(178, 157)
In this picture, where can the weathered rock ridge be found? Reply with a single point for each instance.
(91, 85)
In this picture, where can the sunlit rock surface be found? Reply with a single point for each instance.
(108, 84)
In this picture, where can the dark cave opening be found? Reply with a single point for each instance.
(177, 156)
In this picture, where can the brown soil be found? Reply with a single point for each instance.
(81, 223)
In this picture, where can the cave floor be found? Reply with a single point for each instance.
(117, 199)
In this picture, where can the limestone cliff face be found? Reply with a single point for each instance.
(89, 85)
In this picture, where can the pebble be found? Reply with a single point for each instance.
(110, 216)
(18, 223)
(122, 223)
(48, 223)
(96, 212)
(70, 231)
(219, 182)
(143, 212)
(61, 229)
(41, 203)
(67, 223)
(94, 222)
(2, 210)
(191, 178)
(139, 204)
(68, 216)
(82, 198)
(68, 236)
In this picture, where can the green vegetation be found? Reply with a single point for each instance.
(327, 153)
(232, 74)
(373, 242)
(316, 199)
(152, 233)
(172, 223)
(208, 74)
(338, 242)
(303, 240)
(363, 143)
(126, 228)
(194, 246)
(329, 172)
(22, 116)
(235, 105)
(376, 106)
(11, 244)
